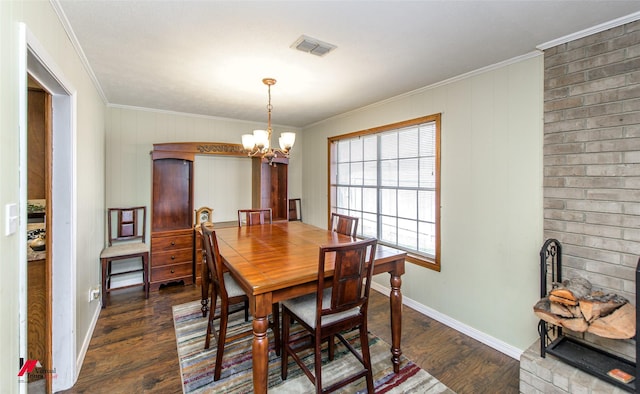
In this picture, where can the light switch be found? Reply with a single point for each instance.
(11, 213)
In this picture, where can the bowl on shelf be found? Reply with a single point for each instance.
(39, 244)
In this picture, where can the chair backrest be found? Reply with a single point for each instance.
(252, 217)
(344, 224)
(351, 283)
(126, 224)
(212, 257)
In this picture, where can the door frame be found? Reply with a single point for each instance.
(62, 209)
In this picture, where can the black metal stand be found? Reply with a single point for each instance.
(581, 355)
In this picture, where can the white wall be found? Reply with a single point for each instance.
(491, 215)
(42, 22)
(9, 194)
(221, 182)
(131, 133)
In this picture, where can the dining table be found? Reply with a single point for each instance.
(279, 261)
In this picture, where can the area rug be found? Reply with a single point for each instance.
(196, 364)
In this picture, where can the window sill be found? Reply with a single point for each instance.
(423, 261)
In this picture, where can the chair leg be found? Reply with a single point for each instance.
(276, 327)
(212, 311)
(103, 263)
(145, 274)
(222, 337)
(286, 323)
(366, 356)
(318, 361)
(331, 347)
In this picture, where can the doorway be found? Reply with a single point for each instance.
(61, 218)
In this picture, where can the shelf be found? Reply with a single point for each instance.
(594, 361)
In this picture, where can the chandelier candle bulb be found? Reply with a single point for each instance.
(287, 140)
(261, 139)
(248, 142)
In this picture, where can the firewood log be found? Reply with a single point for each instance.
(566, 311)
(620, 324)
(598, 304)
(562, 300)
(577, 324)
(570, 291)
(542, 309)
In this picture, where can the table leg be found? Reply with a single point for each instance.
(395, 301)
(260, 352)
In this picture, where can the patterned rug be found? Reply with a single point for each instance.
(196, 364)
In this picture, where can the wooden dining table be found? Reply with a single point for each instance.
(279, 261)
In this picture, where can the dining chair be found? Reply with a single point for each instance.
(126, 240)
(230, 293)
(295, 209)
(344, 224)
(251, 217)
(330, 311)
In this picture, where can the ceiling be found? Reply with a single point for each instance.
(209, 57)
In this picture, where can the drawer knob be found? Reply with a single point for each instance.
(173, 257)
(173, 243)
(172, 271)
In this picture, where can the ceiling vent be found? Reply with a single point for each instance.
(312, 46)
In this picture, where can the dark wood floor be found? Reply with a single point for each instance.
(133, 349)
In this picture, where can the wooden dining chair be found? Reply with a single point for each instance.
(330, 311)
(344, 224)
(230, 293)
(126, 232)
(252, 217)
(295, 209)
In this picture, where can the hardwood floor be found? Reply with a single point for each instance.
(133, 349)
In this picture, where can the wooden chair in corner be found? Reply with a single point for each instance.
(229, 291)
(126, 232)
(330, 311)
(344, 224)
(252, 217)
(295, 209)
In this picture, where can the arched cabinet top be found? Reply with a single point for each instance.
(188, 150)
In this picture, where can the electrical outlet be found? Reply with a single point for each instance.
(94, 294)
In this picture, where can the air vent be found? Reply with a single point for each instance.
(312, 46)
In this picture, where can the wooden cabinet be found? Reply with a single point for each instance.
(171, 221)
(175, 246)
(269, 187)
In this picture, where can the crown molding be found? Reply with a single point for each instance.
(592, 30)
(76, 45)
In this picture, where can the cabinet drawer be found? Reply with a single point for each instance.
(168, 272)
(163, 244)
(172, 257)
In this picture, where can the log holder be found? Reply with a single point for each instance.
(577, 353)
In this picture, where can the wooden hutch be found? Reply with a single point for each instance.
(175, 249)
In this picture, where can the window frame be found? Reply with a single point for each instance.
(421, 260)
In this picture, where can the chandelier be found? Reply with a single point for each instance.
(258, 144)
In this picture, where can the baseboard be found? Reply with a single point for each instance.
(87, 341)
(488, 340)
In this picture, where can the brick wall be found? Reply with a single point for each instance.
(591, 183)
(592, 156)
(592, 161)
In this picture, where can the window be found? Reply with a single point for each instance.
(389, 177)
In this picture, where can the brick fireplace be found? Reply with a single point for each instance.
(591, 181)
